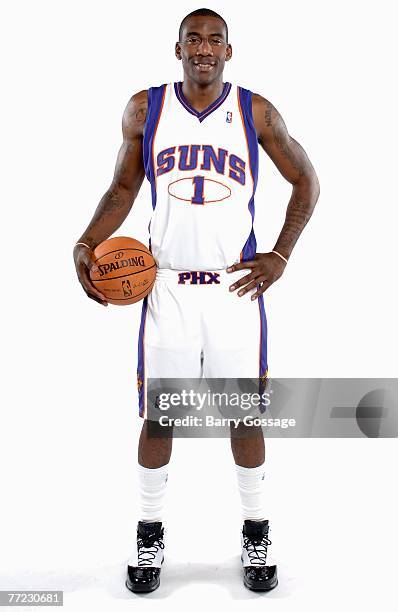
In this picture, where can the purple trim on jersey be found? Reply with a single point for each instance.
(263, 365)
(245, 99)
(140, 363)
(263, 344)
(155, 100)
(207, 111)
(250, 248)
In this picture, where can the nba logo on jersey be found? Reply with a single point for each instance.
(229, 117)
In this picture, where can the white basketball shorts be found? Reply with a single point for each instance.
(193, 326)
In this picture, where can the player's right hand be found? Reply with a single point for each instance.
(84, 262)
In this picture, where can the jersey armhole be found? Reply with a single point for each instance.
(245, 106)
(155, 104)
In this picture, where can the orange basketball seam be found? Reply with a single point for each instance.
(147, 251)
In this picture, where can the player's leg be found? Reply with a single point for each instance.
(155, 445)
(154, 451)
(237, 353)
(168, 348)
(247, 445)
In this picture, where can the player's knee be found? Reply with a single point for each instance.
(245, 430)
(154, 429)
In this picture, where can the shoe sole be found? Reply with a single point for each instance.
(262, 588)
(140, 588)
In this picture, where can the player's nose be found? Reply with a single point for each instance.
(204, 48)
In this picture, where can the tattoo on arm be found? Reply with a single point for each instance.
(268, 114)
(294, 165)
(113, 201)
(140, 115)
(289, 147)
(298, 213)
(135, 117)
(109, 213)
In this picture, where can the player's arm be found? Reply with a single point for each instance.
(117, 201)
(293, 163)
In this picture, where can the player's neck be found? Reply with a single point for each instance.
(201, 96)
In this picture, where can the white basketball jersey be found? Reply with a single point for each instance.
(203, 169)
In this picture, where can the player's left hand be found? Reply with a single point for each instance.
(266, 268)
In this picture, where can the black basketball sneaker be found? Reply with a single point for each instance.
(259, 571)
(143, 568)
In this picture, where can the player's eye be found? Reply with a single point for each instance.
(192, 40)
(216, 41)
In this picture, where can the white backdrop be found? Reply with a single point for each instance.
(69, 425)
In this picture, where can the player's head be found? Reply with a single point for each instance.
(203, 39)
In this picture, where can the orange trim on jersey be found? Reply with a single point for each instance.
(244, 129)
(154, 133)
(188, 178)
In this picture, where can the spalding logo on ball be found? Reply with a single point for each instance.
(126, 270)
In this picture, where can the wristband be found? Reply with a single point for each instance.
(281, 256)
(84, 244)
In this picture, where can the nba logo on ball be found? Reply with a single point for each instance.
(229, 117)
(127, 292)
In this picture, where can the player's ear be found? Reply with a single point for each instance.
(228, 53)
(178, 50)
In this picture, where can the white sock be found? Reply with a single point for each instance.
(251, 490)
(152, 483)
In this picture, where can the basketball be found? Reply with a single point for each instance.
(126, 270)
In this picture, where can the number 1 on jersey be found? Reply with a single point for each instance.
(198, 182)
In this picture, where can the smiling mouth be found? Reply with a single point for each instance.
(203, 67)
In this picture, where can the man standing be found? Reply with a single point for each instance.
(197, 143)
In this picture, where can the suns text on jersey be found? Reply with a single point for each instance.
(203, 157)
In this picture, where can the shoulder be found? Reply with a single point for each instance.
(261, 106)
(134, 115)
(257, 100)
(265, 116)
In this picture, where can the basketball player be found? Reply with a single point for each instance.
(197, 143)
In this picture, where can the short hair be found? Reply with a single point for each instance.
(205, 12)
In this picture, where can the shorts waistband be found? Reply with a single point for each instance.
(199, 277)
